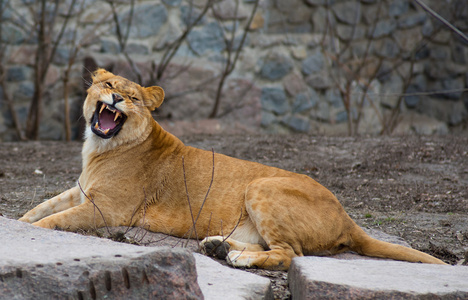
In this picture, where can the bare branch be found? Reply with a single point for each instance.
(442, 20)
(237, 225)
(123, 38)
(222, 233)
(90, 198)
(45, 52)
(73, 53)
(209, 187)
(240, 103)
(189, 203)
(9, 103)
(60, 35)
(230, 65)
(195, 220)
(172, 49)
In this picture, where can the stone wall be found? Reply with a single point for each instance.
(315, 66)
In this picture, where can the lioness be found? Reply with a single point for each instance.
(137, 174)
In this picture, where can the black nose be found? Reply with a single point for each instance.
(116, 98)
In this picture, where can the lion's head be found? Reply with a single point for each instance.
(117, 109)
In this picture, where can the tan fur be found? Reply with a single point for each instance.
(139, 178)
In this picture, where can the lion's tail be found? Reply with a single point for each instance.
(366, 245)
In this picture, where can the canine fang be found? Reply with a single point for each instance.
(117, 115)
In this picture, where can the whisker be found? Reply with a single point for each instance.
(90, 72)
(137, 113)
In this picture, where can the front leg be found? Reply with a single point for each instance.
(84, 216)
(64, 201)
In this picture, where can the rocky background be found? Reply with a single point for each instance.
(311, 66)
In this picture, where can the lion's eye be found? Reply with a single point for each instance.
(109, 85)
(135, 99)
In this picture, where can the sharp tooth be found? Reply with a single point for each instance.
(96, 126)
(117, 115)
(106, 131)
(102, 107)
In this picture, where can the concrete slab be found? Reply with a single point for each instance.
(220, 282)
(37, 263)
(216, 280)
(329, 278)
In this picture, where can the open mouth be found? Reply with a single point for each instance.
(107, 120)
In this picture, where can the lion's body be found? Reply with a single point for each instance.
(144, 176)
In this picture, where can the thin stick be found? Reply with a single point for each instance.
(96, 207)
(188, 200)
(123, 38)
(235, 227)
(166, 236)
(264, 261)
(206, 196)
(209, 187)
(209, 224)
(230, 65)
(142, 223)
(222, 234)
(135, 210)
(441, 19)
(171, 51)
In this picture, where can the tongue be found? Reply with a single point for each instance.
(107, 119)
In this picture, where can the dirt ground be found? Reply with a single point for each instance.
(412, 187)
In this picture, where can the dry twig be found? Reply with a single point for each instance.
(90, 198)
(232, 61)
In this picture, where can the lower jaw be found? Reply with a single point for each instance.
(101, 134)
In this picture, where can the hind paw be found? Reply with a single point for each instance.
(239, 259)
(215, 246)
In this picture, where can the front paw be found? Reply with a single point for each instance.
(25, 219)
(44, 223)
(215, 246)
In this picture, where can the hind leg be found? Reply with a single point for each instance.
(265, 213)
(293, 215)
(264, 203)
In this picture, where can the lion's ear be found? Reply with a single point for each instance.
(99, 74)
(154, 97)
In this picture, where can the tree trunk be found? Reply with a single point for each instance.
(34, 115)
(13, 114)
(66, 108)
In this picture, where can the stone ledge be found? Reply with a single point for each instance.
(216, 280)
(329, 278)
(37, 263)
(219, 282)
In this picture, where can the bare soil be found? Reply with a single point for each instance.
(412, 187)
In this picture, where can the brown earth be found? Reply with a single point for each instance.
(412, 187)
